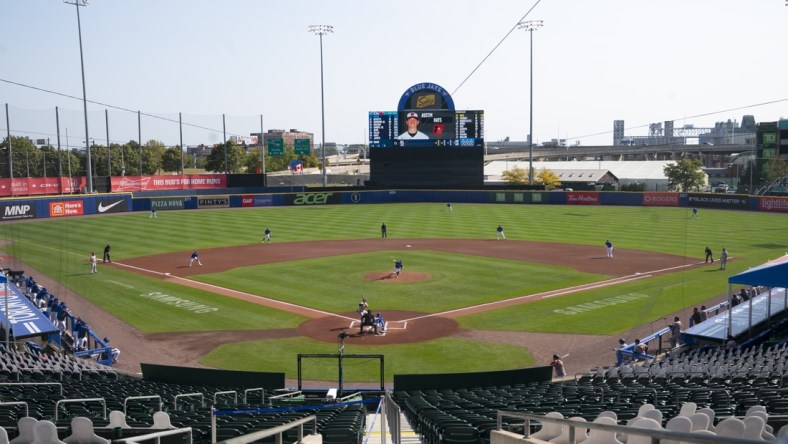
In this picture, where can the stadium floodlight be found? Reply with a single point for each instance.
(88, 168)
(531, 26)
(322, 30)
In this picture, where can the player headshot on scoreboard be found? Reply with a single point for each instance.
(412, 133)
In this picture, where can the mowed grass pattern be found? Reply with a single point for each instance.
(336, 284)
(59, 248)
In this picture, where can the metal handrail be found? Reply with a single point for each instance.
(190, 395)
(256, 389)
(392, 414)
(71, 401)
(27, 409)
(235, 395)
(285, 395)
(261, 434)
(157, 436)
(126, 401)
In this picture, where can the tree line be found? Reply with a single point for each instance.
(29, 160)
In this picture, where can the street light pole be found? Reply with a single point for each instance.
(531, 26)
(89, 169)
(321, 30)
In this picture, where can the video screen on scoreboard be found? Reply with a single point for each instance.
(434, 128)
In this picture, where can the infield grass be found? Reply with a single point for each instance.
(59, 249)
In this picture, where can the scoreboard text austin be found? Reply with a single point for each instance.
(442, 128)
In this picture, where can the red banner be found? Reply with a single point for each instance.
(773, 203)
(247, 200)
(28, 186)
(582, 198)
(66, 208)
(660, 199)
(158, 183)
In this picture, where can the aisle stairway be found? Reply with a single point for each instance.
(374, 436)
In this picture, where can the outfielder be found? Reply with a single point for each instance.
(267, 236)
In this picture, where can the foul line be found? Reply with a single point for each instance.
(561, 291)
(272, 301)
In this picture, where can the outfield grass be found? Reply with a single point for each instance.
(436, 356)
(59, 248)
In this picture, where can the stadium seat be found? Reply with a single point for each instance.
(25, 429)
(45, 432)
(549, 430)
(642, 423)
(602, 436)
(731, 427)
(82, 433)
(3, 436)
(581, 433)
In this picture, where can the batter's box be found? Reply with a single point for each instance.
(391, 325)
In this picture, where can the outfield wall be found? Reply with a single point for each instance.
(79, 205)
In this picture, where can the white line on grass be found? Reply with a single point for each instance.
(272, 301)
(562, 291)
(121, 284)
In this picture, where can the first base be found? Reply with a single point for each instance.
(407, 246)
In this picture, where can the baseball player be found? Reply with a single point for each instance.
(93, 263)
(195, 257)
(499, 233)
(397, 267)
(609, 248)
(267, 236)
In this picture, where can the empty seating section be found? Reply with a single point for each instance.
(38, 379)
(706, 386)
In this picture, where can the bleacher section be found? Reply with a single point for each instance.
(37, 385)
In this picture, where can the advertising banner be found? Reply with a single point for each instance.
(40, 185)
(251, 200)
(115, 205)
(717, 201)
(176, 182)
(213, 202)
(168, 203)
(773, 203)
(247, 200)
(23, 316)
(582, 198)
(66, 208)
(660, 199)
(312, 199)
(17, 211)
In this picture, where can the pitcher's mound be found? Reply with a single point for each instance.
(405, 276)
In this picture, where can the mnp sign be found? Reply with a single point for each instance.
(17, 211)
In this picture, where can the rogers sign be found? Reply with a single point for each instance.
(660, 199)
(582, 198)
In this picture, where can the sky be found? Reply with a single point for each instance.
(692, 61)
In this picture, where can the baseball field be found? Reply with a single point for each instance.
(464, 301)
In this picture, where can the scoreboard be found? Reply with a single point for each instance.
(434, 128)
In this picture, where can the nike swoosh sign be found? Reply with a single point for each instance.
(102, 208)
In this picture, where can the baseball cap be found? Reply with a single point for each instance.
(414, 115)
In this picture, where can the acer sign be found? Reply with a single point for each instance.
(66, 208)
(312, 198)
(177, 182)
